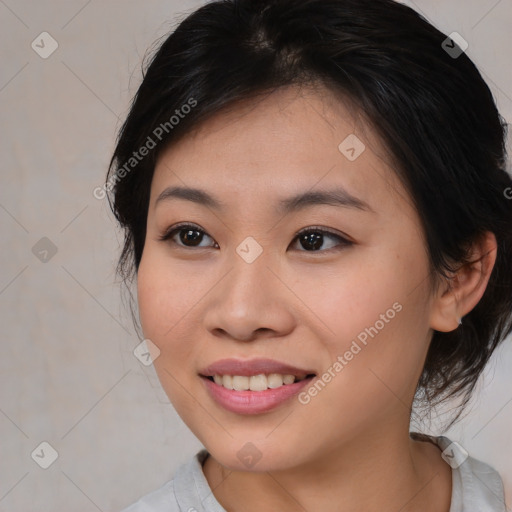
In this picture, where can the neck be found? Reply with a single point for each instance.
(371, 473)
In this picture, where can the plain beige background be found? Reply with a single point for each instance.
(68, 373)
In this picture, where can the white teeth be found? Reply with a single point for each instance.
(240, 382)
(227, 381)
(274, 380)
(259, 382)
(289, 379)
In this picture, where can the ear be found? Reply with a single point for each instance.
(458, 296)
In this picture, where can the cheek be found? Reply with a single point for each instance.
(351, 297)
(169, 296)
(152, 302)
(166, 294)
(164, 301)
(374, 318)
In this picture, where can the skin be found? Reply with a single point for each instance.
(348, 449)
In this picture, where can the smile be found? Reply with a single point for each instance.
(253, 386)
(259, 382)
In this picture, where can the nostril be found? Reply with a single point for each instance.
(263, 329)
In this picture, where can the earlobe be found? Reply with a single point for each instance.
(444, 314)
(458, 296)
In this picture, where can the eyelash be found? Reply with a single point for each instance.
(170, 233)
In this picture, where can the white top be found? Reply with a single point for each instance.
(476, 487)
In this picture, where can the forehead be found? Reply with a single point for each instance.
(288, 141)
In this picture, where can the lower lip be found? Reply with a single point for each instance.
(253, 402)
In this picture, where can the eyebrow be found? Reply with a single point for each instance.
(334, 197)
(195, 195)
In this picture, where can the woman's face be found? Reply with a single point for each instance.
(240, 290)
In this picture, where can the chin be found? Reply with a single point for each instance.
(252, 454)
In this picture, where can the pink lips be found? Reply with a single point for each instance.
(252, 402)
(252, 367)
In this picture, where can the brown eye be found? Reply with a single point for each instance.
(313, 239)
(189, 235)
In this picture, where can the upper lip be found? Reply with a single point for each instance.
(252, 367)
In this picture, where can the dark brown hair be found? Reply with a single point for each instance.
(432, 109)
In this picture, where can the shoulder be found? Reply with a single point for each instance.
(159, 500)
(476, 486)
(180, 494)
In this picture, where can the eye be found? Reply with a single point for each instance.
(190, 235)
(313, 239)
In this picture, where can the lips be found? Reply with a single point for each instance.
(271, 391)
(255, 383)
(252, 367)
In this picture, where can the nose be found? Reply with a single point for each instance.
(249, 303)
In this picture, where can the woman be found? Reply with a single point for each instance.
(313, 194)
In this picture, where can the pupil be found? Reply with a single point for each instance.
(188, 237)
(315, 239)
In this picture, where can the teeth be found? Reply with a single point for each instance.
(274, 380)
(259, 382)
(240, 382)
(227, 381)
(289, 379)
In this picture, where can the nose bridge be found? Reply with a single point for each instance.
(249, 299)
(248, 285)
(249, 275)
